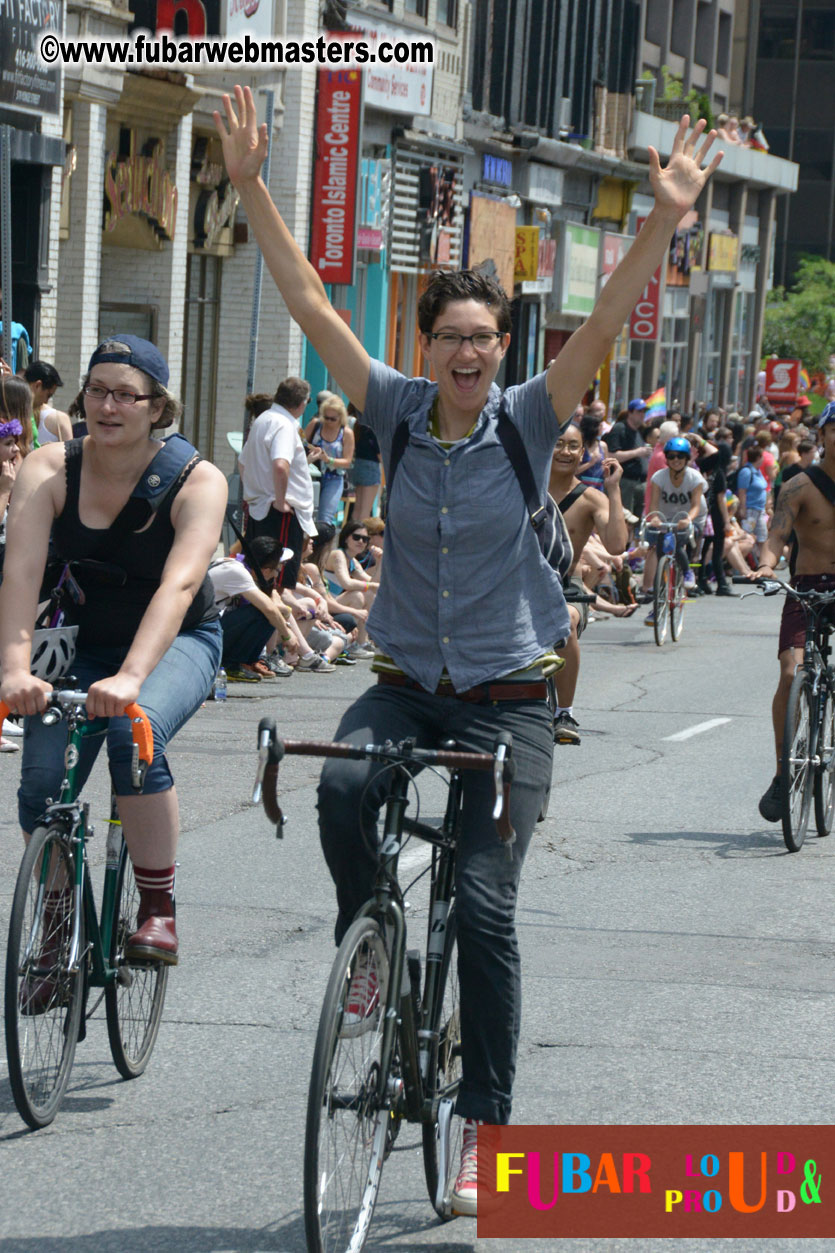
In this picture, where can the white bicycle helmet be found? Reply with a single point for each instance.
(53, 651)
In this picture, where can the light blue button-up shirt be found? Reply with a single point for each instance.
(464, 584)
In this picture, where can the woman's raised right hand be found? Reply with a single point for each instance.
(244, 141)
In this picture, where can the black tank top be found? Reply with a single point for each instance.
(111, 615)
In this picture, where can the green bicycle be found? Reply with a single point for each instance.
(58, 948)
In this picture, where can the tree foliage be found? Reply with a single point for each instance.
(801, 322)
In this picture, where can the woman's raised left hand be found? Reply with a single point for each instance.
(677, 185)
(108, 698)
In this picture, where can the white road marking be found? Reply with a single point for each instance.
(697, 729)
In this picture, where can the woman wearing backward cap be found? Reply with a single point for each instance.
(155, 510)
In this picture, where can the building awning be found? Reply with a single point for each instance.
(35, 149)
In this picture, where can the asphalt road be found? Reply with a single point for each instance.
(678, 962)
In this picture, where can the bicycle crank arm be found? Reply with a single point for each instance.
(445, 1109)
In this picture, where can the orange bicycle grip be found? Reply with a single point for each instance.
(140, 729)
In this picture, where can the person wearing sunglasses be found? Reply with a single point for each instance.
(677, 488)
(468, 606)
(350, 584)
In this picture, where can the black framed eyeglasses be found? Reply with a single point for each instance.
(120, 395)
(483, 341)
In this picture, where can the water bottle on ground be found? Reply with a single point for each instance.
(219, 686)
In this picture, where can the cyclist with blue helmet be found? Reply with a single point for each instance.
(806, 507)
(678, 488)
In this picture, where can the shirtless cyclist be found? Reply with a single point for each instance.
(802, 508)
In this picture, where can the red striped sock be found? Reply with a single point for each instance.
(154, 880)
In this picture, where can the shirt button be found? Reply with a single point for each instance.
(444, 551)
(446, 461)
(445, 594)
(445, 639)
(444, 509)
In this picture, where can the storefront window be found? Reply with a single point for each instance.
(709, 373)
(741, 380)
(674, 337)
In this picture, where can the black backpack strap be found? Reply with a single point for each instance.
(514, 446)
(254, 568)
(822, 482)
(399, 441)
(567, 501)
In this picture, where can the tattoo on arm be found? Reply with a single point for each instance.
(785, 515)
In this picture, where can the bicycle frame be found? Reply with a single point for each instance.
(74, 817)
(417, 1041)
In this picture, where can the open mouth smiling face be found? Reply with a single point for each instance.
(465, 348)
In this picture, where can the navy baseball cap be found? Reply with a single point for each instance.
(828, 414)
(637, 404)
(131, 350)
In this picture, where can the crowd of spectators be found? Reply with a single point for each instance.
(745, 133)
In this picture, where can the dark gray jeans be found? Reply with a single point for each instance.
(486, 878)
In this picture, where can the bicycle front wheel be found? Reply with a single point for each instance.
(134, 1001)
(347, 1122)
(797, 768)
(661, 599)
(43, 997)
(679, 597)
(824, 789)
(444, 1079)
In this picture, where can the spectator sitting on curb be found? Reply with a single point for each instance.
(252, 620)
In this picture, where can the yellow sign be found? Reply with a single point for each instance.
(527, 254)
(723, 252)
(140, 184)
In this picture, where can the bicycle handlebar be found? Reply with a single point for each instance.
(771, 587)
(271, 750)
(140, 728)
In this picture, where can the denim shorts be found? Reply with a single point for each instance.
(365, 473)
(175, 688)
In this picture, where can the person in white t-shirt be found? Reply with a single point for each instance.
(277, 486)
(677, 489)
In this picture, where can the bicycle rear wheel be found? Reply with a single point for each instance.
(43, 998)
(679, 598)
(134, 1001)
(444, 1077)
(661, 599)
(798, 749)
(824, 789)
(347, 1123)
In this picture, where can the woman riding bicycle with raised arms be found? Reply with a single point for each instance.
(154, 639)
(467, 605)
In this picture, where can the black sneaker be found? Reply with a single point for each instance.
(566, 729)
(771, 801)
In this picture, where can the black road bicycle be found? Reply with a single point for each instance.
(400, 1058)
(807, 766)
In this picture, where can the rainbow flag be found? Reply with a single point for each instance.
(657, 404)
(805, 381)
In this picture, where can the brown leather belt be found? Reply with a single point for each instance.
(485, 691)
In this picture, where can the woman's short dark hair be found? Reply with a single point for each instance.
(42, 372)
(589, 427)
(446, 286)
(266, 551)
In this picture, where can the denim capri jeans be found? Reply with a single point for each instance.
(174, 689)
